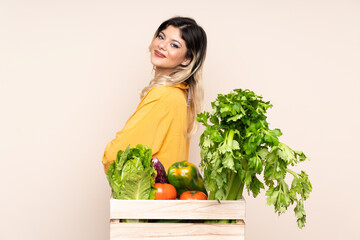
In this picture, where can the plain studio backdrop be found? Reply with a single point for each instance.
(71, 73)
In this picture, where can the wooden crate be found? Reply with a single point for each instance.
(177, 209)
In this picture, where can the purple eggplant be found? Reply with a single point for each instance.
(161, 173)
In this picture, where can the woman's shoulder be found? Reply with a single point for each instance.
(168, 93)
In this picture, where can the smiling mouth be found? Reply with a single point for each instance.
(159, 54)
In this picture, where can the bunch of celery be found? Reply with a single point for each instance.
(238, 145)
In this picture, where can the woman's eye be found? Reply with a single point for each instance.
(174, 45)
(160, 37)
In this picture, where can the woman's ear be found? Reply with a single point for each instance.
(186, 62)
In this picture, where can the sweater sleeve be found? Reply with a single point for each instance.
(159, 122)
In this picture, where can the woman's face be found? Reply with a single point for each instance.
(168, 51)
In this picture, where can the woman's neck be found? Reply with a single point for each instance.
(163, 71)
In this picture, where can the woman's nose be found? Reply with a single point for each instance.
(162, 45)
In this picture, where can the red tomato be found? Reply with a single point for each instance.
(165, 191)
(193, 195)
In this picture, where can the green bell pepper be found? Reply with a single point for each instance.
(185, 176)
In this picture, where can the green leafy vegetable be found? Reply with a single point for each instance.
(132, 175)
(237, 146)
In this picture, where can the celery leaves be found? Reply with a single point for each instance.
(237, 146)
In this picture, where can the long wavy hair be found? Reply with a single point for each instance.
(196, 43)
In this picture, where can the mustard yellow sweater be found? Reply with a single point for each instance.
(160, 122)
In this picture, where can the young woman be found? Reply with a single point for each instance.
(165, 118)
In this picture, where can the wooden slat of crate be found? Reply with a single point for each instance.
(177, 231)
(176, 209)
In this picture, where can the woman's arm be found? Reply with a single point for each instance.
(159, 122)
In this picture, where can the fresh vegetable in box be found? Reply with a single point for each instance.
(165, 191)
(237, 146)
(132, 175)
(161, 176)
(185, 176)
(193, 195)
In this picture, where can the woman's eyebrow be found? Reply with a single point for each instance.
(171, 39)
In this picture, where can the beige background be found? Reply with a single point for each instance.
(70, 76)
